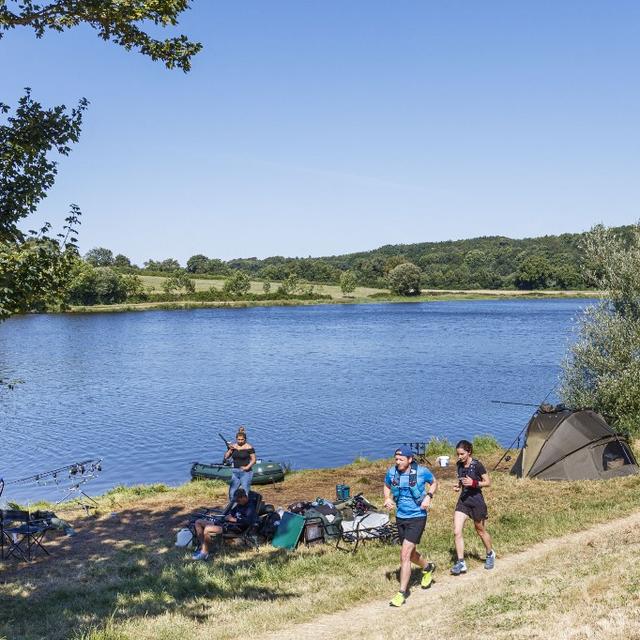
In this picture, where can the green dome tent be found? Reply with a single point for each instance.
(573, 445)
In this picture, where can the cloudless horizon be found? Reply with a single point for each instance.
(328, 128)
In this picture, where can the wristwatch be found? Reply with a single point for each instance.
(430, 494)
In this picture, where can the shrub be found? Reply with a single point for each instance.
(404, 280)
(485, 444)
(602, 370)
(237, 284)
(439, 447)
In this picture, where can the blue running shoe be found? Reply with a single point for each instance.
(458, 568)
(200, 555)
(490, 560)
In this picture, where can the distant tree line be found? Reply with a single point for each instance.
(493, 262)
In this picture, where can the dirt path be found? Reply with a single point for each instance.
(432, 612)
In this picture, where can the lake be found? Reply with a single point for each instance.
(315, 385)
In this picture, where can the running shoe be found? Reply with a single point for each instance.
(200, 555)
(490, 560)
(427, 575)
(458, 568)
(398, 600)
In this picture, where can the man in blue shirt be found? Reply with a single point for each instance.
(406, 490)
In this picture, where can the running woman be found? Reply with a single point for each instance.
(409, 489)
(472, 477)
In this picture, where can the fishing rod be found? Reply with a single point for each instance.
(521, 404)
(518, 404)
(85, 468)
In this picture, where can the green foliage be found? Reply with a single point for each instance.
(164, 266)
(101, 285)
(122, 262)
(534, 273)
(289, 285)
(237, 284)
(348, 282)
(266, 287)
(485, 444)
(34, 271)
(404, 280)
(100, 257)
(179, 279)
(602, 370)
(34, 268)
(29, 141)
(439, 447)
(114, 20)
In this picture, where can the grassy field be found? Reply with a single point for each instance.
(256, 287)
(361, 295)
(121, 577)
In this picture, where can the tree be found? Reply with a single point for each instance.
(34, 267)
(289, 285)
(237, 284)
(114, 20)
(602, 369)
(348, 282)
(404, 280)
(100, 285)
(198, 264)
(534, 273)
(122, 262)
(100, 257)
(179, 279)
(35, 270)
(169, 265)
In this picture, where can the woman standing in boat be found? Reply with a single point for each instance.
(244, 457)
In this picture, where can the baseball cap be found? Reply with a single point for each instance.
(404, 450)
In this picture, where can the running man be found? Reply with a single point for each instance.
(405, 489)
(472, 477)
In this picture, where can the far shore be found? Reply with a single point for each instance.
(430, 295)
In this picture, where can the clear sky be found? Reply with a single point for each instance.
(317, 128)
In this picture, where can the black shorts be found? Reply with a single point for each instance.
(475, 507)
(411, 528)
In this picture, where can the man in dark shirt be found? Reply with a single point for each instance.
(241, 516)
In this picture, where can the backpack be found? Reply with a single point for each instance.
(268, 525)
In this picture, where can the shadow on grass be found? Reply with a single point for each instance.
(126, 567)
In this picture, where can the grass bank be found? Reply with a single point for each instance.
(378, 297)
(121, 577)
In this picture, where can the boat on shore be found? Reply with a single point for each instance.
(264, 472)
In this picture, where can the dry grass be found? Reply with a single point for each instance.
(122, 578)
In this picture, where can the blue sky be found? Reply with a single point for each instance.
(317, 128)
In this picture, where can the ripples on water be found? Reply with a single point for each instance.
(315, 386)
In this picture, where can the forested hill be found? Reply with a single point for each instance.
(491, 262)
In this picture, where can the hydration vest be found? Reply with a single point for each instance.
(416, 494)
(470, 469)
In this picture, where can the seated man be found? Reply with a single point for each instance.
(241, 517)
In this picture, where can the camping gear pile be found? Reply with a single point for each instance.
(566, 444)
(347, 523)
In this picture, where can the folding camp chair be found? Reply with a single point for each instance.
(370, 526)
(249, 535)
(22, 534)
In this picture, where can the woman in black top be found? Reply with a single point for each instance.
(472, 476)
(244, 457)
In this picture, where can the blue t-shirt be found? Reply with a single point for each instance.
(406, 506)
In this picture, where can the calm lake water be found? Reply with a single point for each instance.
(315, 386)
